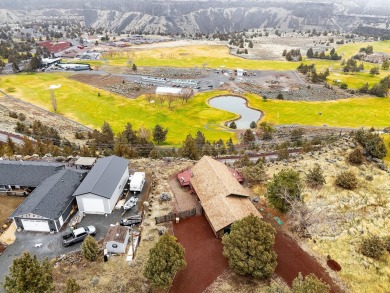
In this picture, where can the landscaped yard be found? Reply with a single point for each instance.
(81, 103)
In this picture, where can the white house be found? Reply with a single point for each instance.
(101, 188)
(116, 239)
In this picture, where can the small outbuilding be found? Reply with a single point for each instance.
(49, 206)
(85, 162)
(102, 187)
(116, 239)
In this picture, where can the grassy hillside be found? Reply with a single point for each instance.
(81, 103)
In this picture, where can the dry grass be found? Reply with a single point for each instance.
(8, 205)
(347, 216)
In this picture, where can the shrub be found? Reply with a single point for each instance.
(249, 247)
(356, 156)
(373, 247)
(21, 117)
(13, 114)
(372, 143)
(280, 96)
(315, 177)
(253, 125)
(79, 135)
(347, 180)
(90, 248)
(72, 286)
(386, 241)
(309, 284)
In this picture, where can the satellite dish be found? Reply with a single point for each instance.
(54, 86)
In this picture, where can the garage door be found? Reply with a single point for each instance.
(93, 205)
(36, 225)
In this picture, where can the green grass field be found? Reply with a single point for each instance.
(81, 103)
(350, 49)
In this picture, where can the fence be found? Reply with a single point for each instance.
(173, 216)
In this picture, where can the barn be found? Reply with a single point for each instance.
(101, 188)
(221, 196)
(50, 205)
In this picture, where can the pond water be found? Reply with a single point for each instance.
(236, 105)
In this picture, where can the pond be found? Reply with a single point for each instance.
(238, 106)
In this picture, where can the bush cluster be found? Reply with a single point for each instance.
(347, 180)
(372, 143)
(373, 246)
(356, 157)
(315, 177)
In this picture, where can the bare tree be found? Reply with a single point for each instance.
(186, 94)
(170, 99)
(149, 97)
(144, 133)
(161, 99)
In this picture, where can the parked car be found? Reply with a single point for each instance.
(132, 220)
(78, 235)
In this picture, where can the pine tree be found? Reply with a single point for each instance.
(249, 247)
(90, 248)
(28, 275)
(189, 149)
(248, 136)
(159, 134)
(166, 258)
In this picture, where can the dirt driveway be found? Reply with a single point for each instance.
(203, 253)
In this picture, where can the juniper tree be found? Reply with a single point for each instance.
(166, 258)
(29, 275)
(159, 134)
(249, 247)
(284, 187)
(90, 248)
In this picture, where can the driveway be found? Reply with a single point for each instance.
(52, 244)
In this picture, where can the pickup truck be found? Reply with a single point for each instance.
(78, 235)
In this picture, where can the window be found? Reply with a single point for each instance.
(115, 246)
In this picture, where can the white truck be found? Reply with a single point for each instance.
(137, 181)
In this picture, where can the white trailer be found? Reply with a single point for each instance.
(137, 182)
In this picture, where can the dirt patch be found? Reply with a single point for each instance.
(203, 253)
(170, 72)
(8, 205)
(334, 266)
(114, 84)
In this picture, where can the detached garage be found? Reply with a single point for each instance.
(102, 187)
(50, 204)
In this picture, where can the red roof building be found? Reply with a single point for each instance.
(184, 177)
(55, 47)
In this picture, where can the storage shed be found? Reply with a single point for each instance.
(49, 206)
(116, 239)
(101, 188)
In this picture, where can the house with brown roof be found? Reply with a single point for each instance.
(116, 239)
(222, 197)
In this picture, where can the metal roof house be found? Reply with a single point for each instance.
(222, 197)
(50, 204)
(103, 185)
(28, 174)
